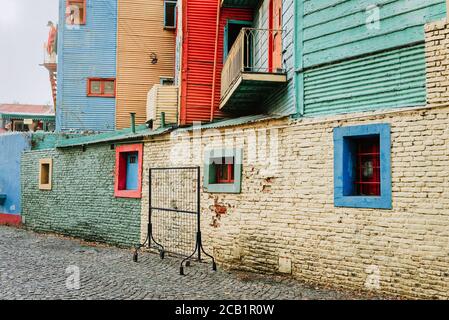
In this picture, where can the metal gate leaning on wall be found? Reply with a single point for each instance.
(174, 214)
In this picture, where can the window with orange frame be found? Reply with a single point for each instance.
(101, 87)
(76, 12)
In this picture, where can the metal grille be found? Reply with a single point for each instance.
(174, 224)
(174, 208)
(368, 166)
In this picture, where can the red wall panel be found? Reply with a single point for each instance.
(199, 29)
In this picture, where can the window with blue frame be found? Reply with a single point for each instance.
(170, 14)
(223, 170)
(362, 166)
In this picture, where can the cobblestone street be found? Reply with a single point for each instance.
(34, 266)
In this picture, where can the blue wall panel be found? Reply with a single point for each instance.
(11, 148)
(84, 52)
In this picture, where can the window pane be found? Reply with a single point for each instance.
(95, 87)
(170, 13)
(367, 167)
(109, 87)
(132, 169)
(75, 12)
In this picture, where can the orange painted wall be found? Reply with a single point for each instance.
(140, 32)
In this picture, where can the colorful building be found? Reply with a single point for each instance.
(234, 58)
(335, 148)
(24, 117)
(87, 186)
(145, 54)
(110, 54)
(87, 44)
(356, 56)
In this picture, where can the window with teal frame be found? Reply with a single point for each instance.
(223, 171)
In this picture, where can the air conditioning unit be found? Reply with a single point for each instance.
(162, 101)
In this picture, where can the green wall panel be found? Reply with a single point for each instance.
(334, 30)
(391, 79)
(81, 202)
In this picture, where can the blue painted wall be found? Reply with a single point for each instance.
(345, 64)
(86, 51)
(11, 148)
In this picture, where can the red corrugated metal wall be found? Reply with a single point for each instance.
(199, 27)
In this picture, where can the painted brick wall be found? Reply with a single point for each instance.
(82, 202)
(437, 41)
(286, 220)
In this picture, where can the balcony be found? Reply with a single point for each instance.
(252, 71)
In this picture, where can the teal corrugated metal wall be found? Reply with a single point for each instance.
(89, 51)
(392, 79)
(346, 62)
(336, 29)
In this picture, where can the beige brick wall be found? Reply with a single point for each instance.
(284, 220)
(288, 217)
(437, 43)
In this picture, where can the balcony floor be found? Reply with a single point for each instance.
(250, 90)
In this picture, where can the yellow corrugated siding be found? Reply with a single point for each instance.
(140, 32)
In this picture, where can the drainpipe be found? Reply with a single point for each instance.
(162, 119)
(133, 122)
(217, 30)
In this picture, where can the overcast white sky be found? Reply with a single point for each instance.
(23, 31)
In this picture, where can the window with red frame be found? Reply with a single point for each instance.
(128, 171)
(367, 175)
(76, 12)
(224, 170)
(98, 87)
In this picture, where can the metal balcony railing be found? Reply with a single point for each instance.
(253, 52)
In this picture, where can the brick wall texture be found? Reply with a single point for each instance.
(81, 202)
(437, 43)
(284, 220)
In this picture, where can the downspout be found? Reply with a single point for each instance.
(133, 122)
(214, 76)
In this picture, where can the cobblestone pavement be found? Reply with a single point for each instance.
(34, 266)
